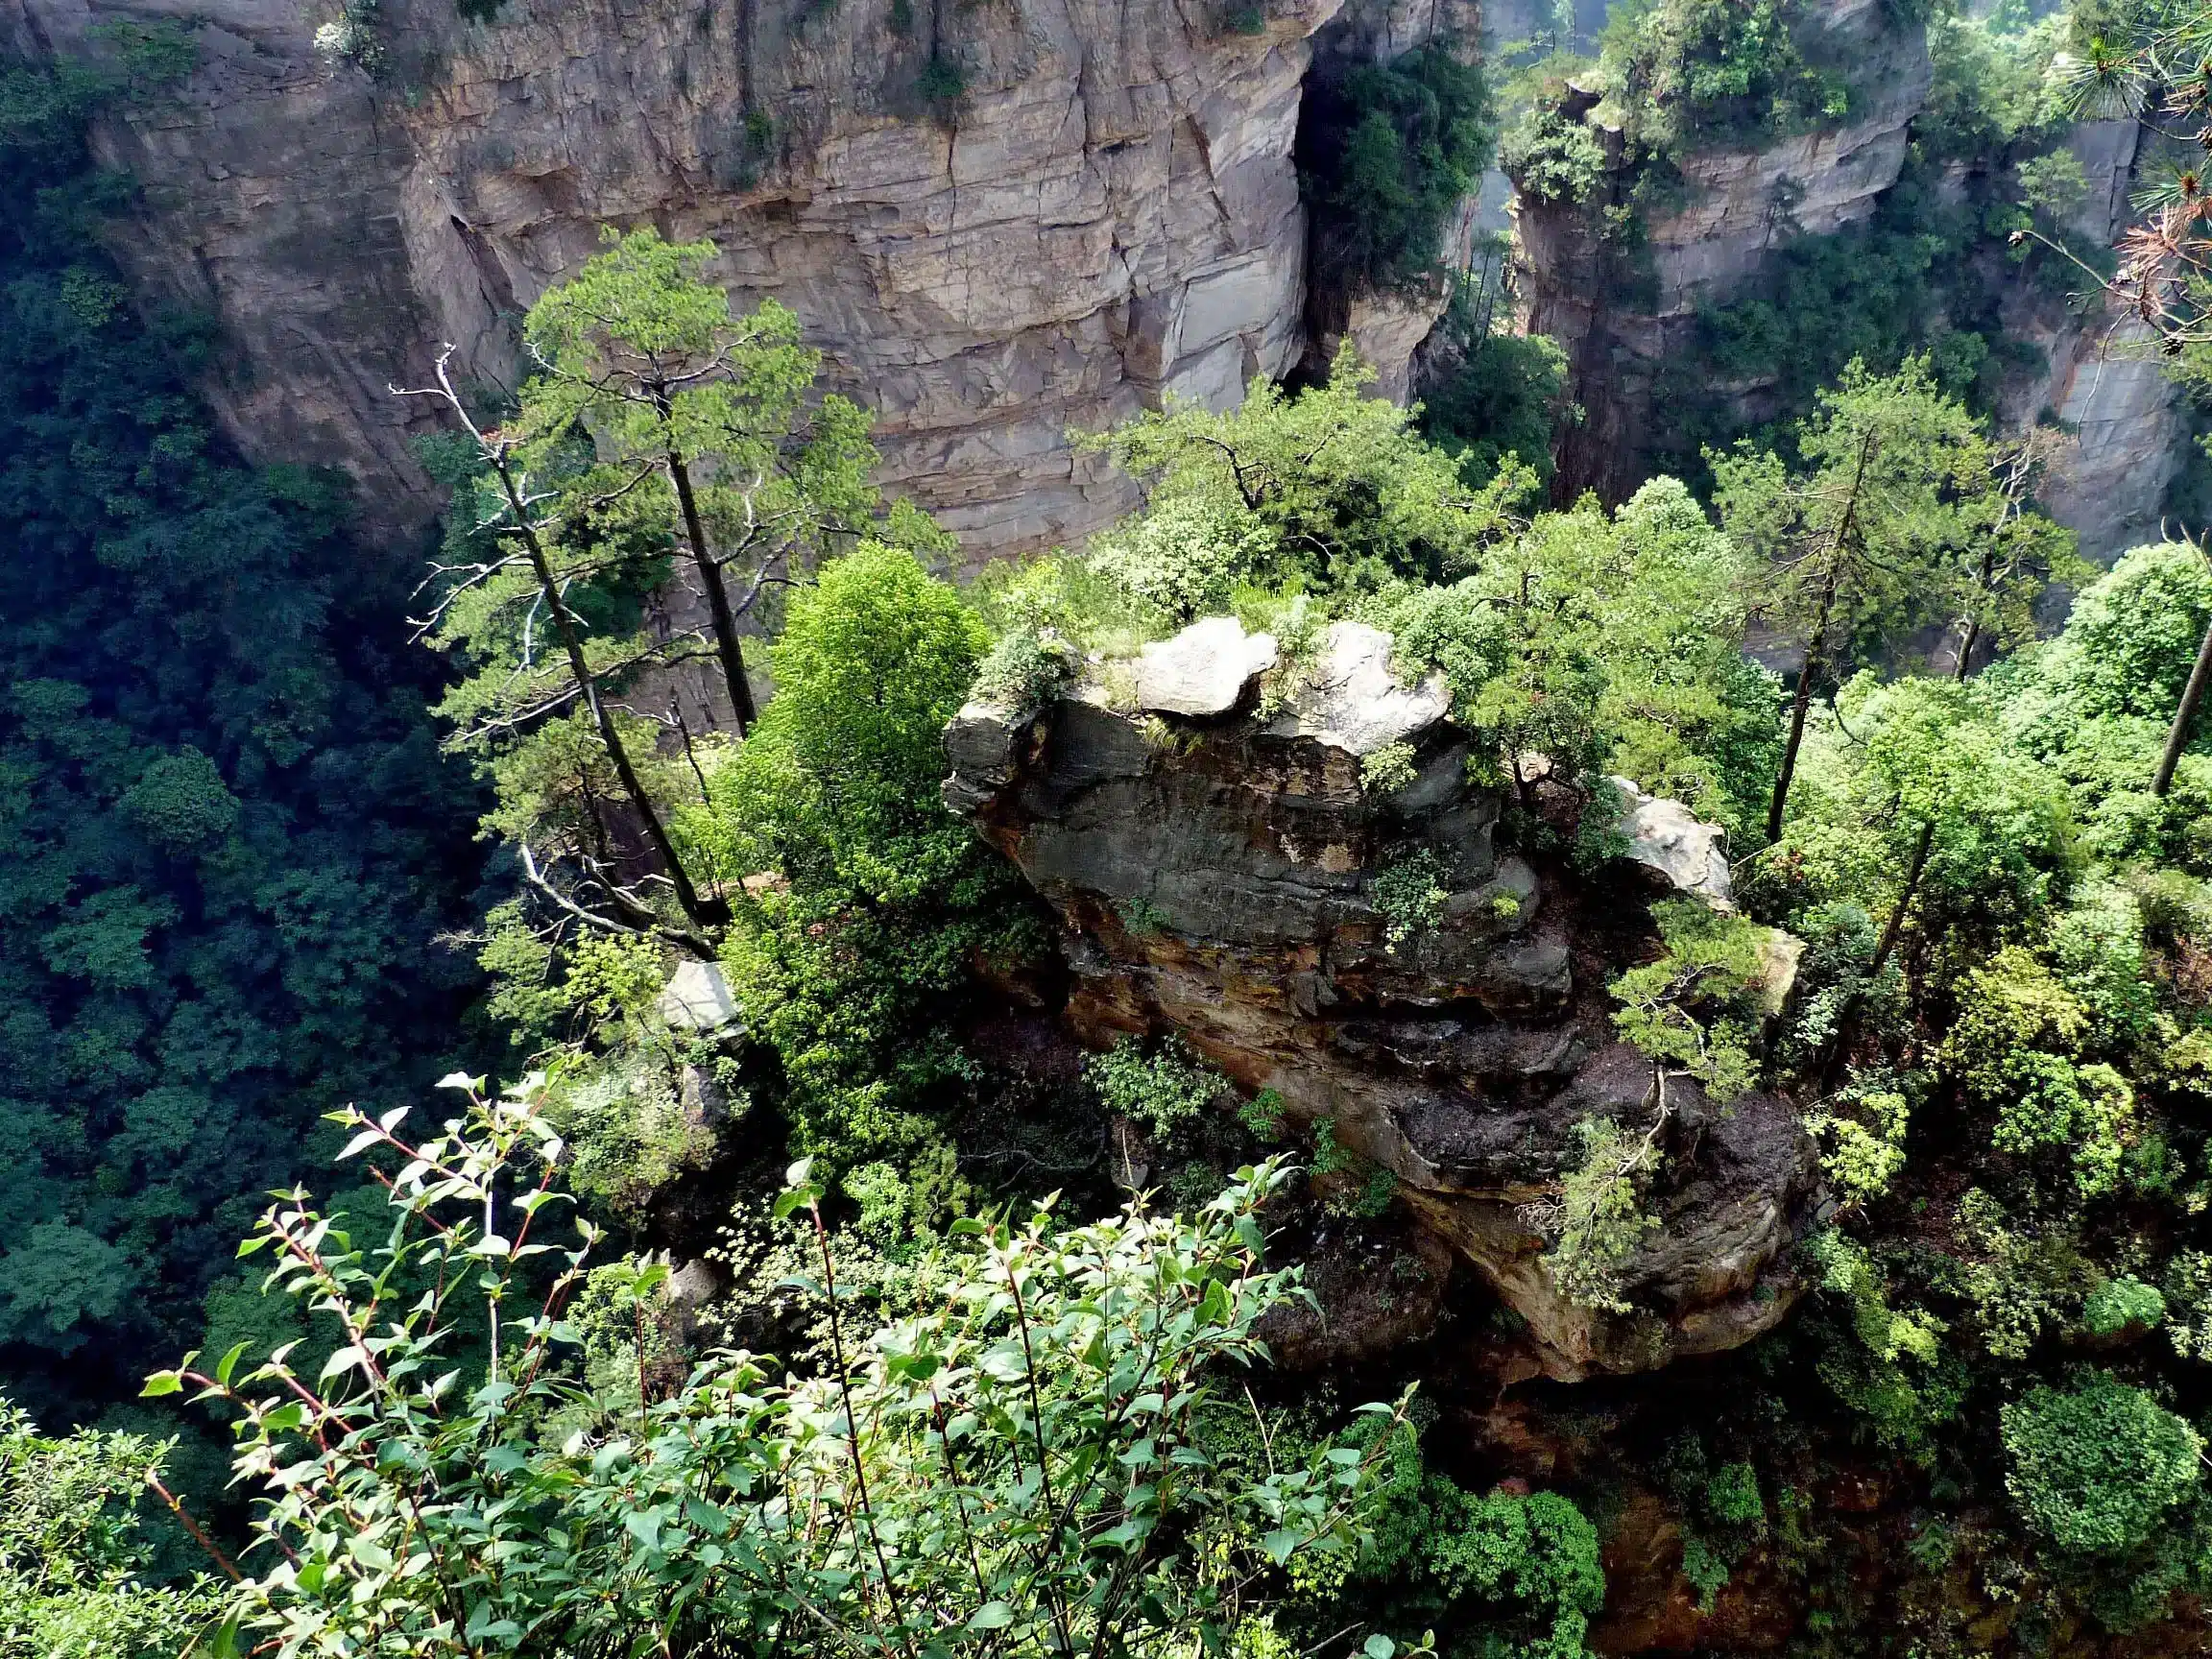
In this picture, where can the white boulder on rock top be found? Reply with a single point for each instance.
(1204, 669)
(1352, 699)
(1664, 835)
(698, 998)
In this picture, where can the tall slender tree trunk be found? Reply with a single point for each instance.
(727, 649)
(1799, 704)
(1848, 1017)
(2178, 737)
(1973, 631)
(1815, 648)
(1892, 928)
(571, 635)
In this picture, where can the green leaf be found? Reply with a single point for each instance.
(230, 1363)
(162, 1382)
(1379, 1646)
(992, 1616)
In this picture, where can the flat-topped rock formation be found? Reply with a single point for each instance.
(1216, 858)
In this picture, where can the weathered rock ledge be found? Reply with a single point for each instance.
(1214, 854)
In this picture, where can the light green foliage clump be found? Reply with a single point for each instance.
(1692, 1012)
(1603, 640)
(845, 967)
(1724, 1514)
(1680, 70)
(1009, 1465)
(1551, 157)
(2093, 704)
(78, 1573)
(629, 1134)
(1598, 1223)
(2120, 1305)
(1917, 833)
(1497, 1574)
(2015, 1049)
(1025, 668)
(1887, 1362)
(2188, 1287)
(2097, 1470)
(1388, 770)
(2025, 1279)
(1328, 487)
(1163, 1093)
(1861, 1133)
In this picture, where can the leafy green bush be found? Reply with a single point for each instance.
(2097, 1470)
(76, 1577)
(849, 964)
(1713, 70)
(972, 1475)
(1409, 891)
(2119, 1305)
(1163, 1093)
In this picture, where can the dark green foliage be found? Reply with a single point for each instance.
(1494, 1576)
(1503, 392)
(1385, 153)
(231, 841)
(941, 86)
(1904, 283)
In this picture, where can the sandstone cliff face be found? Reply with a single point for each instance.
(1109, 212)
(1216, 864)
(2109, 482)
(1737, 206)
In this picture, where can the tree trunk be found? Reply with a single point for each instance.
(571, 636)
(2178, 738)
(1892, 929)
(727, 649)
(1896, 925)
(1967, 649)
(1819, 644)
(1798, 706)
(1973, 631)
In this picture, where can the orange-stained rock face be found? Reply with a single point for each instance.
(1219, 877)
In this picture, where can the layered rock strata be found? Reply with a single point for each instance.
(1201, 821)
(999, 222)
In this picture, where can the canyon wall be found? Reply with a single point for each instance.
(1106, 211)
(1624, 312)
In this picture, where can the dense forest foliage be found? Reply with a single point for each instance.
(750, 995)
(233, 843)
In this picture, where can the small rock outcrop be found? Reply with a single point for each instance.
(1218, 877)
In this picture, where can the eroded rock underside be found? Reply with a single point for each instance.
(1215, 861)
